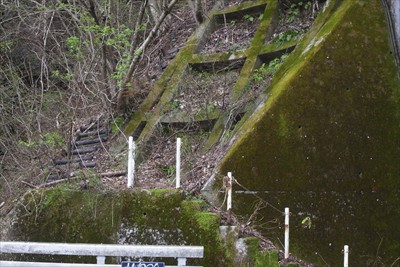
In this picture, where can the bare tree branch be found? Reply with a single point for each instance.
(142, 48)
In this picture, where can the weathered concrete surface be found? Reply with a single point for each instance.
(332, 120)
(327, 140)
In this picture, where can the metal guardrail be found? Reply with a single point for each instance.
(98, 250)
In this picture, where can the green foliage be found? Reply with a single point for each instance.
(170, 170)
(91, 178)
(295, 9)
(64, 77)
(142, 27)
(138, 52)
(175, 104)
(6, 45)
(74, 46)
(28, 144)
(270, 69)
(51, 139)
(94, 35)
(116, 124)
(260, 73)
(306, 222)
(248, 17)
(274, 65)
(121, 69)
(287, 37)
(292, 13)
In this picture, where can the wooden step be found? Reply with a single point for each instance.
(101, 132)
(89, 164)
(75, 159)
(89, 141)
(85, 150)
(91, 127)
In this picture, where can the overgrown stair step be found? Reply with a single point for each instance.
(75, 159)
(90, 164)
(85, 150)
(101, 132)
(90, 141)
(86, 141)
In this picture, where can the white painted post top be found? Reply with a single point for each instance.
(101, 249)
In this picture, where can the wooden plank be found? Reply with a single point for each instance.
(102, 131)
(90, 164)
(89, 141)
(75, 159)
(84, 150)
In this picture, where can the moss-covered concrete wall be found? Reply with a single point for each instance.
(162, 217)
(332, 120)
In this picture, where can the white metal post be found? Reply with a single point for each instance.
(178, 163)
(101, 260)
(131, 162)
(229, 187)
(346, 256)
(286, 233)
(181, 261)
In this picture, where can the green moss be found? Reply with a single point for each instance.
(164, 192)
(243, 6)
(191, 206)
(161, 216)
(216, 58)
(332, 121)
(325, 106)
(260, 258)
(207, 221)
(215, 133)
(267, 258)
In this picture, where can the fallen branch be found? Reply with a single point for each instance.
(74, 177)
(29, 184)
(58, 181)
(113, 174)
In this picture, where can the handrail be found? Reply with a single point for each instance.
(100, 251)
(52, 264)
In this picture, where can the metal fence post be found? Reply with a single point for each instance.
(181, 261)
(286, 233)
(131, 162)
(229, 187)
(178, 163)
(101, 260)
(346, 256)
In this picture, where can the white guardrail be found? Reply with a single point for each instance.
(98, 250)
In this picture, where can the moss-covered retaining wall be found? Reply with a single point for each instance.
(162, 217)
(138, 217)
(333, 117)
(331, 124)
